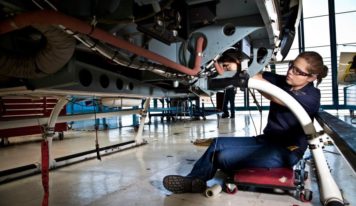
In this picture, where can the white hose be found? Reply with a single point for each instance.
(329, 191)
(57, 51)
(213, 191)
(288, 100)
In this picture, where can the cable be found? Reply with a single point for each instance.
(217, 114)
(261, 114)
(216, 141)
(259, 109)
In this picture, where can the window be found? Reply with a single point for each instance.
(315, 8)
(345, 15)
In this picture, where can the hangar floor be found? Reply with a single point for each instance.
(134, 176)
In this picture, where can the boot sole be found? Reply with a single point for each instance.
(181, 184)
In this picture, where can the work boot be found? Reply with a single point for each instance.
(181, 184)
(225, 115)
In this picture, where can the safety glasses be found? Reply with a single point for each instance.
(297, 71)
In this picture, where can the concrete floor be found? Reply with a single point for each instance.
(134, 176)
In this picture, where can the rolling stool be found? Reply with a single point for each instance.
(287, 179)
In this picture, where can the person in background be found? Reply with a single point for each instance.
(230, 62)
(229, 97)
(283, 141)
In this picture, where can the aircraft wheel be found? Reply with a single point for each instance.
(306, 195)
(230, 188)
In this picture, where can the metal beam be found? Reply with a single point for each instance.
(333, 53)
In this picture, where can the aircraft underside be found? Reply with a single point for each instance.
(137, 48)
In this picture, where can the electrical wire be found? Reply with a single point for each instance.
(217, 114)
(216, 141)
(259, 108)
